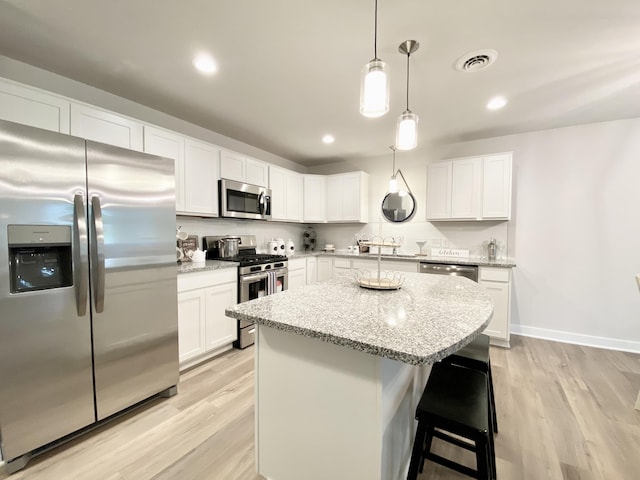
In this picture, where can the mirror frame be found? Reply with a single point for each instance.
(405, 219)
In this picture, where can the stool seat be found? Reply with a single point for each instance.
(454, 401)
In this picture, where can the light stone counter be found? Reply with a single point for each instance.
(350, 365)
(430, 317)
(506, 263)
(189, 267)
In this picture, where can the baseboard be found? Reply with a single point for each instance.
(577, 338)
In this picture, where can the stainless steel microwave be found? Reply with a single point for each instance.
(243, 200)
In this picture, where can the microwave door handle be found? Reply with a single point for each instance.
(262, 204)
(80, 261)
(97, 252)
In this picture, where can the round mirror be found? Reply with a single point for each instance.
(398, 207)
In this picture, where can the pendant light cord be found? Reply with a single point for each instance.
(375, 33)
(408, 55)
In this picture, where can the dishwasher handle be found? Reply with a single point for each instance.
(468, 271)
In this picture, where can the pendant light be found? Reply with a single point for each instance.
(407, 130)
(393, 183)
(374, 84)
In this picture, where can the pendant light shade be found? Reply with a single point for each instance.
(407, 131)
(407, 128)
(374, 89)
(374, 84)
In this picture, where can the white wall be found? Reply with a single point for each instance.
(466, 235)
(575, 231)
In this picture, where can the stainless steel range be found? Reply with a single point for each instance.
(258, 274)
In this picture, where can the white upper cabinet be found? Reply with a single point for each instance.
(201, 164)
(196, 170)
(348, 197)
(286, 194)
(496, 194)
(33, 107)
(315, 195)
(466, 183)
(105, 127)
(234, 166)
(168, 144)
(474, 188)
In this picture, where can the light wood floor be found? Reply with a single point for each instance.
(565, 412)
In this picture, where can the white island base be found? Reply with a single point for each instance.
(325, 411)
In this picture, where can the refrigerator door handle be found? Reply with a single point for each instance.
(97, 252)
(80, 261)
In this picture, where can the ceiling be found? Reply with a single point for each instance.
(289, 71)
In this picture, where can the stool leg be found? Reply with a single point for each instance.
(492, 401)
(492, 454)
(416, 454)
(427, 446)
(482, 457)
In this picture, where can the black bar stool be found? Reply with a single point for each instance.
(455, 401)
(476, 355)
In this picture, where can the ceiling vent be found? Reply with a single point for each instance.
(477, 60)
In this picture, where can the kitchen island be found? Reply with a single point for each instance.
(340, 369)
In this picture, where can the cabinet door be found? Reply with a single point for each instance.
(278, 186)
(294, 196)
(439, 190)
(167, 144)
(105, 127)
(232, 166)
(496, 195)
(297, 278)
(191, 324)
(220, 329)
(256, 172)
(312, 269)
(201, 178)
(466, 183)
(334, 198)
(499, 326)
(351, 197)
(34, 108)
(325, 268)
(315, 187)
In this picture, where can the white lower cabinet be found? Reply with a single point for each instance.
(297, 272)
(497, 281)
(312, 269)
(325, 268)
(203, 328)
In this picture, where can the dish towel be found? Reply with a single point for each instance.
(272, 277)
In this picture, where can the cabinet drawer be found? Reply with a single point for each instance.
(193, 280)
(341, 262)
(494, 274)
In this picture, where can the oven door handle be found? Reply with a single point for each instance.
(252, 278)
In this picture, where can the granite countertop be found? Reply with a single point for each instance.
(430, 317)
(505, 263)
(189, 267)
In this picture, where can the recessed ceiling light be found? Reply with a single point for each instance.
(496, 103)
(205, 63)
(328, 139)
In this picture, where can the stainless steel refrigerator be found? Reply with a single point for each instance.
(88, 303)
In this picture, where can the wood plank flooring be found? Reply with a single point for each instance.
(565, 412)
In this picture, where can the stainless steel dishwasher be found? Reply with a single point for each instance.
(469, 271)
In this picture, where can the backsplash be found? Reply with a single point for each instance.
(473, 236)
(264, 231)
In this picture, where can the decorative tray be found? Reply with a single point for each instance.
(379, 280)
